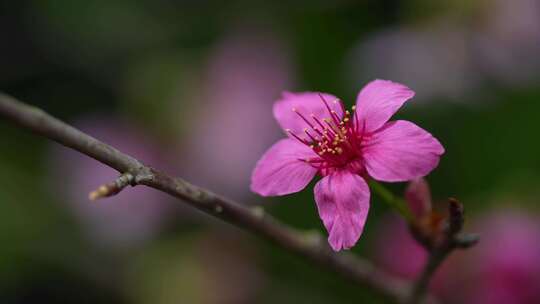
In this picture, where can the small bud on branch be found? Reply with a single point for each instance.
(438, 234)
(112, 188)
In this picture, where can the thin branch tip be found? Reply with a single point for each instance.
(100, 192)
(112, 188)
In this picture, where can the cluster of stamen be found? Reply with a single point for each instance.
(334, 139)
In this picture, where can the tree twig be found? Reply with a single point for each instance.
(112, 188)
(135, 173)
(440, 248)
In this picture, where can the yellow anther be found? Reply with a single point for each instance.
(353, 108)
(347, 112)
(339, 150)
(346, 119)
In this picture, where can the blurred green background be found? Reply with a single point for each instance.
(188, 86)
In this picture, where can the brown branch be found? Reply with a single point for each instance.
(440, 247)
(254, 220)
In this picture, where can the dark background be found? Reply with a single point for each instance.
(188, 86)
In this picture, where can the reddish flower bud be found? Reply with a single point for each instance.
(418, 197)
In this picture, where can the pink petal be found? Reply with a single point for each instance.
(343, 202)
(305, 103)
(378, 101)
(418, 197)
(281, 170)
(401, 151)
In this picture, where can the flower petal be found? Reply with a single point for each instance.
(305, 103)
(378, 101)
(343, 202)
(418, 197)
(281, 170)
(401, 151)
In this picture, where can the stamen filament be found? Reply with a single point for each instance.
(333, 114)
(297, 137)
(309, 135)
(303, 118)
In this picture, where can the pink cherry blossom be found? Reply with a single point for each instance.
(345, 148)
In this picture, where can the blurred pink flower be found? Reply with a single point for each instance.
(245, 73)
(435, 60)
(344, 150)
(393, 237)
(133, 215)
(451, 59)
(396, 251)
(503, 267)
(507, 41)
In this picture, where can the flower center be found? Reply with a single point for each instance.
(337, 141)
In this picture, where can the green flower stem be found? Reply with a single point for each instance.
(393, 201)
